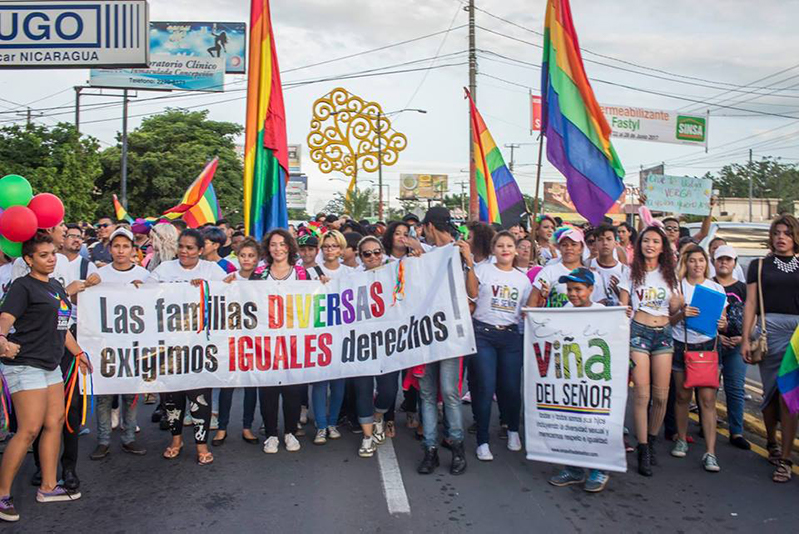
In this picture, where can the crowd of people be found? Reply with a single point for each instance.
(653, 270)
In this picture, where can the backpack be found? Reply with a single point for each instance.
(84, 268)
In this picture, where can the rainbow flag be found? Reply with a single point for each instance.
(578, 136)
(121, 212)
(266, 169)
(501, 199)
(788, 377)
(205, 211)
(196, 191)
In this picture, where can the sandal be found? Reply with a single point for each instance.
(390, 430)
(783, 472)
(774, 453)
(205, 458)
(172, 452)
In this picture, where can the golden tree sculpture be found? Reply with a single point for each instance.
(349, 134)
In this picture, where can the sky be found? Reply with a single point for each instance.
(736, 57)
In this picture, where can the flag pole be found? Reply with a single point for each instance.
(536, 204)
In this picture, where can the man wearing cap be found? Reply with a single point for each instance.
(443, 375)
(121, 271)
(99, 253)
(308, 246)
(548, 291)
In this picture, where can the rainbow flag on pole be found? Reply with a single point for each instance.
(121, 212)
(205, 211)
(578, 136)
(197, 189)
(788, 377)
(501, 199)
(265, 145)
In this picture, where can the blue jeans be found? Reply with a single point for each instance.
(444, 375)
(387, 389)
(734, 373)
(104, 419)
(364, 388)
(499, 370)
(323, 415)
(226, 401)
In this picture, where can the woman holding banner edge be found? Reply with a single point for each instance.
(654, 299)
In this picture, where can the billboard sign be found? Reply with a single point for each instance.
(423, 186)
(295, 152)
(297, 192)
(74, 34)
(186, 56)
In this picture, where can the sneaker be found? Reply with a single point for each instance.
(514, 442)
(304, 416)
(59, 494)
(680, 449)
(321, 437)
(379, 432)
(100, 452)
(503, 432)
(567, 477)
(484, 453)
(84, 431)
(292, 445)
(271, 444)
(740, 442)
(597, 480)
(300, 432)
(333, 433)
(214, 422)
(368, 448)
(115, 418)
(7, 510)
(710, 463)
(134, 448)
(70, 480)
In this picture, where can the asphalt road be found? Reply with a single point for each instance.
(330, 489)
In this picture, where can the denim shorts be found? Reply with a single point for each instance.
(25, 377)
(650, 339)
(678, 360)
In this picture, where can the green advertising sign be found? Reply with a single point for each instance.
(691, 128)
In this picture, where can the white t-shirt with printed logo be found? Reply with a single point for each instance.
(501, 295)
(550, 274)
(603, 276)
(652, 296)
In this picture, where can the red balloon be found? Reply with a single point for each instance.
(18, 224)
(48, 208)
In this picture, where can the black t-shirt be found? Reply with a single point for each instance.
(42, 311)
(736, 297)
(780, 289)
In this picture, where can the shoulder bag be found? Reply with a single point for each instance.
(701, 367)
(759, 345)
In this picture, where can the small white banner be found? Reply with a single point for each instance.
(576, 365)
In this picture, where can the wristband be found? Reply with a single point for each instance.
(4, 336)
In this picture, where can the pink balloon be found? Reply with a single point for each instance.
(48, 208)
(18, 224)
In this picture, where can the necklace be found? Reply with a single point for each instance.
(786, 266)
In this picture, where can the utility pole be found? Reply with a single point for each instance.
(78, 89)
(463, 195)
(512, 146)
(123, 189)
(28, 116)
(473, 200)
(379, 166)
(751, 179)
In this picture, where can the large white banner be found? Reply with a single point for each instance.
(576, 365)
(271, 333)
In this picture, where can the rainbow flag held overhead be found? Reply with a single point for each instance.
(501, 199)
(121, 212)
(266, 169)
(788, 377)
(196, 191)
(205, 211)
(578, 136)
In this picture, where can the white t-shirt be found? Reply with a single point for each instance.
(652, 296)
(313, 273)
(73, 274)
(172, 271)
(678, 331)
(501, 295)
(342, 271)
(550, 274)
(61, 272)
(604, 276)
(593, 305)
(110, 275)
(5, 278)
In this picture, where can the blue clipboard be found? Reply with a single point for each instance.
(711, 305)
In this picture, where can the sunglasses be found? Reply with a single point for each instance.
(672, 228)
(103, 225)
(370, 253)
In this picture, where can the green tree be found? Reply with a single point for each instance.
(298, 215)
(165, 155)
(770, 179)
(360, 204)
(54, 160)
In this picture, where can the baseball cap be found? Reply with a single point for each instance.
(725, 251)
(308, 240)
(574, 234)
(121, 232)
(330, 219)
(580, 274)
(439, 215)
(410, 217)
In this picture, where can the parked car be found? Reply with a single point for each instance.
(750, 240)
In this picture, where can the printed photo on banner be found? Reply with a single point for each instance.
(173, 337)
(575, 386)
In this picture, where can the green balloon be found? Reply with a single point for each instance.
(15, 191)
(11, 249)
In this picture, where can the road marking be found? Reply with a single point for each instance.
(390, 474)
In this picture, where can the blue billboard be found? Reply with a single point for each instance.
(226, 40)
